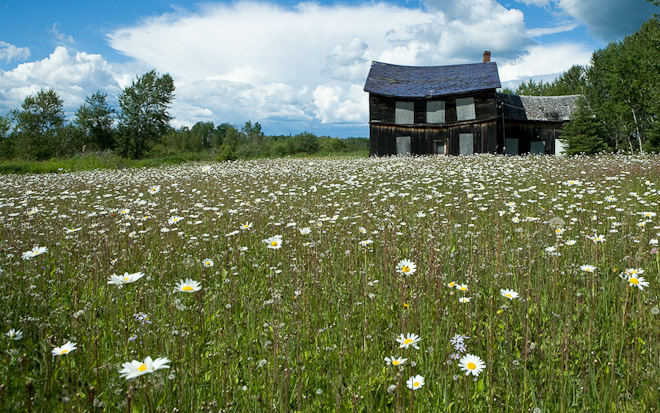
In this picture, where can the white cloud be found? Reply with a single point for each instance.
(303, 66)
(270, 55)
(72, 76)
(538, 3)
(9, 52)
(336, 105)
(61, 37)
(544, 31)
(550, 59)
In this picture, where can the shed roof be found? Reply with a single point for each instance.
(428, 81)
(538, 108)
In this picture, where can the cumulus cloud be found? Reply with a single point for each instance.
(9, 52)
(348, 61)
(552, 59)
(337, 105)
(309, 62)
(303, 65)
(73, 76)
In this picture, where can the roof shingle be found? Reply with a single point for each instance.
(429, 81)
(538, 108)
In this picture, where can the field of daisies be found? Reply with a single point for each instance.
(476, 283)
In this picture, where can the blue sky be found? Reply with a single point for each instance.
(292, 66)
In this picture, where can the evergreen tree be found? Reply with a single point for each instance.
(584, 134)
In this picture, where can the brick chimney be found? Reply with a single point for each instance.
(487, 56)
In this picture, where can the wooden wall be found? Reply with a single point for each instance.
(528, 131)
(382, 140)
(381, 108)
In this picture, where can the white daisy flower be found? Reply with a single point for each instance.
(67, 348)
(406, 267)
(188, 286)
(471, 364)
(415, 382)
(138, 368)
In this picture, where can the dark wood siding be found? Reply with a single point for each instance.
(528, 131)
(383, 137)
(381, 108)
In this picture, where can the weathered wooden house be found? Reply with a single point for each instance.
(456, 110)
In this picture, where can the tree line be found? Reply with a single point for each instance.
(141, 128)
(619, 107)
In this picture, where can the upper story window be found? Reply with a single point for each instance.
(465, 109)
(435, 111)
(404, 113)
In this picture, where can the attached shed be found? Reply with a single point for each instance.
(532, 124)
(455, 110)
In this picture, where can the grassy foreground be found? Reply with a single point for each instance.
(304, 322)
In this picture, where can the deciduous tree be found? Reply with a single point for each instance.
(144, 116)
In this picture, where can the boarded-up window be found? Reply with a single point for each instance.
(466, 143)
(465, 109)
(435, 111)
(403, 145)
(439, 147)
(511, 146)
(404, 113)
(537, 147)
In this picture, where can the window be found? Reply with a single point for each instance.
(435, 111)
(404, 113)
(465, 109)
(439, 147)
(466, 143)
(403, 145)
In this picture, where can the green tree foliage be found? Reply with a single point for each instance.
(624, 84)
(96, 119)
(37, 125)
(144, 116)
(584, 134)
(203, 134)
(6, 138)
(571, 82)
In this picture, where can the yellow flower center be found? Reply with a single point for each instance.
(64, 351)
(416, 384)
(187, 288)
(407, 341)
(396, 362)
(471, 366)
(634, 281)
(405, 268)
(463, 288)
(274, 243)
(508, 296)
(126, 278)
(142, 367)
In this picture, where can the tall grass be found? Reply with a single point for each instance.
(306, 327)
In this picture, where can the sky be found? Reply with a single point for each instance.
(291, 66)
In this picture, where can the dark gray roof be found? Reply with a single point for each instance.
(427, 81)
(540, 108)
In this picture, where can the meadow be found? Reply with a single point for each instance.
(480, 283)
